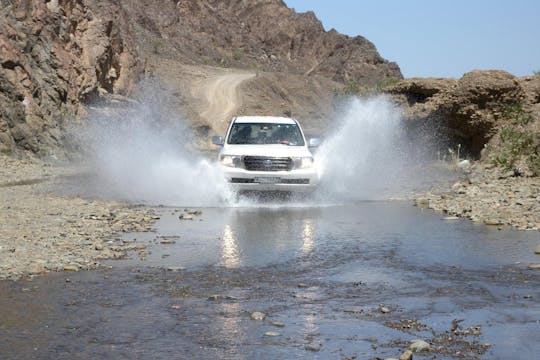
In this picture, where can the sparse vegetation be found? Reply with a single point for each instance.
(353, 87)
(516, 114)
(389, 81)
(238, 54)
(516, 141)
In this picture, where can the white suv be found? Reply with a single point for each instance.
(267, 153)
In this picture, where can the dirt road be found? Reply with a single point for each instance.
(222, 96)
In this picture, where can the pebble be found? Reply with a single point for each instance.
(271, 333)
(278, 324)
(71, 268)
(419, 346)
(493, 222)
(185, 217)
(384, 310)
(257, 315)
(534, 266)
(537, 250)
(450, 218)
(312, 348)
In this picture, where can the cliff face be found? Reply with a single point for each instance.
(55, 55)
(58, 55)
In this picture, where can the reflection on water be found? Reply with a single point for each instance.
(307, 236)
(230, 254)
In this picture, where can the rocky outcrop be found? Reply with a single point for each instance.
(477, 109)
(55, 56)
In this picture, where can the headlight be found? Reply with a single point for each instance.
(303, 162)
(231, 161)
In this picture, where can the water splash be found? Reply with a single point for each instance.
(144, 153)
(370, 155)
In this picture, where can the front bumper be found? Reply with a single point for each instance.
(298, 180)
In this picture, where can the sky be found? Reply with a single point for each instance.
(440, 38)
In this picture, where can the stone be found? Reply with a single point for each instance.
(384, 309)
(185, 217)
(71, 268)
(313, 348)
(534, 266)
(492, 222)
(450, 218)
(167, 241)
(257, 315)
(278, 324)
(407, 355)
(419, 346)
(464, 164)
(272, 333)
(537, 250)
(175, 268)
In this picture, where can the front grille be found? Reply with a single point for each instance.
(242, 181)
(295, 181)
(266, 163)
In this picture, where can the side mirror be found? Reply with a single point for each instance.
(217, 140)
(314, 142)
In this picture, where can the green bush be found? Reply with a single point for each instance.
(515, 143)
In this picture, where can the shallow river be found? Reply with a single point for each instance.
(357, 281)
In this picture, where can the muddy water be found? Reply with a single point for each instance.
(360, 281)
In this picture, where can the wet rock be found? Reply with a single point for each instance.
(278, 324)
(419, 346)
(493, 222)
(313, 348)
(257, 315)
(450, 218)
(185, 217)
(272, 333)
(384, 309)
(175, 268)
(534, 266)
(353, 310)
(537, 250)
(423, 202)
(167, 241)
(407, 355)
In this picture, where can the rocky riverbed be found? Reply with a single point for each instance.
(490, 196)
(42, 231)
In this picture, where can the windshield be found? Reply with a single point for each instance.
(265, 133)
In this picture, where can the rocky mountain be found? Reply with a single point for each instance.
(56, 56)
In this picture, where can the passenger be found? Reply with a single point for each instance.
(244, 135)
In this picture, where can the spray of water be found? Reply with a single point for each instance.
(143, 154)
(370, 156)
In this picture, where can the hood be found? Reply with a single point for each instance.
(273, 150)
